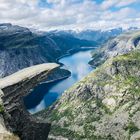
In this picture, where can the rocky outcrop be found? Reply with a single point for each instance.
(5, 134)
(105, 105)
(122, 44)
(15, 87)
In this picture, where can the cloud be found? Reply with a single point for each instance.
(70, 14)
(119, 15)
(108, 3)
(117, 3)
(126, 3)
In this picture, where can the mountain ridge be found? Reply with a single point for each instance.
(122, 44)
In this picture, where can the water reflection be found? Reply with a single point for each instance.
(45, 94)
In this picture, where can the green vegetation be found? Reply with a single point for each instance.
(134, 55)
(82, 106)
(101, 105)
(1, 108)
(132, 128)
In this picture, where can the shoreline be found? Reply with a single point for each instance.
(73, 51)
(51, 81)
(61, 78)
(70, 52)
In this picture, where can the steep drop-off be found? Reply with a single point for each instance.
(122, 44)
(14, 118)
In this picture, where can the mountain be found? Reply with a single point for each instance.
(122, 44)
(105, 105)
(20, 48)
(98, 35)
(93, 35)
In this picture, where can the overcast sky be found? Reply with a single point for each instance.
(71, 14)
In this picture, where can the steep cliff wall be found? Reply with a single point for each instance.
(5, 134)
(122, 44)
(14, 87)
(105, 105)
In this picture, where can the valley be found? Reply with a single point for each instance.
(105, 104)
(94, 88)
(69, 70)
(77, 64)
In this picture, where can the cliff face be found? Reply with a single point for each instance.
(16, 118)
(105, 105)
(122, 44)
(20, 48)
(5, 134)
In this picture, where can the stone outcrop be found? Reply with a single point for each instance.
(14, 88)
(120, 45)
(5, 134)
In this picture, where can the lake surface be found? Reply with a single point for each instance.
(45, 94)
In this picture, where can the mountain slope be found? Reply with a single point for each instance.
(20, 48)
(122, 44)
(105, 105)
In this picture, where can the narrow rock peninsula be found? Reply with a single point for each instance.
(13, 88)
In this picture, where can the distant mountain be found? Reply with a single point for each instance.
(20, 48)
(98, 35)
(132, 28)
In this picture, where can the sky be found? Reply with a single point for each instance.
(71, 14)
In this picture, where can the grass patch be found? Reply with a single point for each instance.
(1, 108)
(132, 128)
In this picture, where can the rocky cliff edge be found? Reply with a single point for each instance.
(15, 122)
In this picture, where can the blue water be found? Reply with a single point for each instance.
(45, 94)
